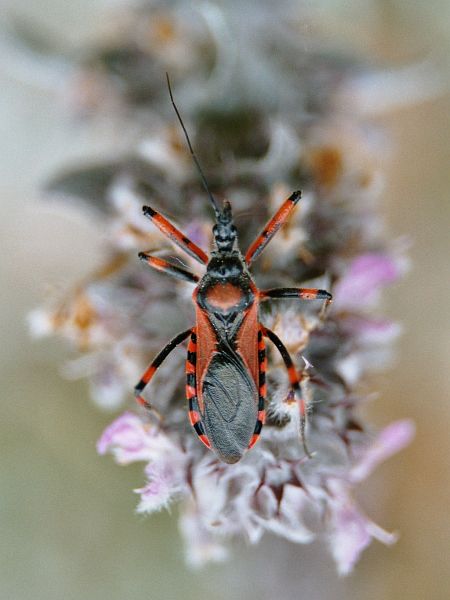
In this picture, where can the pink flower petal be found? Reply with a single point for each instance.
(390, 440)
(370, 331)
(363, 280)
(165, 482)
(126, 438)
(201, 545)
(129, 439)
(348, 539)
(351, 530)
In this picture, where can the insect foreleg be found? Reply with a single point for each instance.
(175, 235)
(271, 228)
(166, 267)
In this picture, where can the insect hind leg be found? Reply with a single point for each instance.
(262, 389)
(191, 390)
(154, 365)
(294, 381)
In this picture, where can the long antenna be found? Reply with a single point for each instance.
(197, 164)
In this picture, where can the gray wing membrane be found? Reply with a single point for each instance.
(230, 404)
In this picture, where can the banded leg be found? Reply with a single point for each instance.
(166, 267)
(271, 228)
(175, 235)
(262, 389)
(191, 390)
(301, 293)
(294, 380)
(147, 376)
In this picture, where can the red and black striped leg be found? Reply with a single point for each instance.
(175, 235)
(191, 390)
(262, 361)
(166, 267)
(151, 370)
(272, 227)
(301, 293)
(294, 380)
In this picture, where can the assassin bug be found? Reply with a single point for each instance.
(226, 358)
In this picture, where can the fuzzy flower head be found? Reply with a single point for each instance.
(256, 149)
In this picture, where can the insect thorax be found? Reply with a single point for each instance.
(226, 288)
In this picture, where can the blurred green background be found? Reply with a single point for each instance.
(68, 527)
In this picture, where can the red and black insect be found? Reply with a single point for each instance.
(226, 359)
